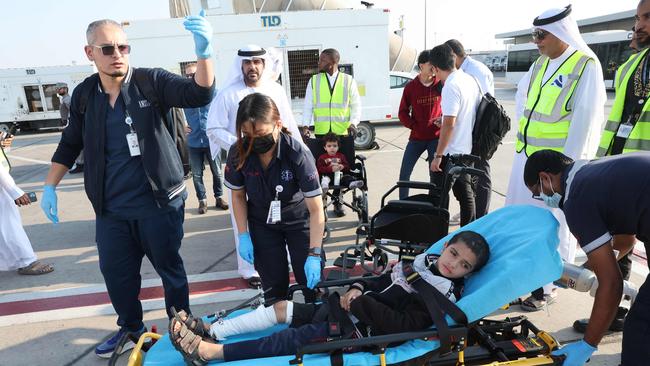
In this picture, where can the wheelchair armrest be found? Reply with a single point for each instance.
(360, 157)
(416, 185)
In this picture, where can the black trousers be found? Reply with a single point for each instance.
(123, 243)
(270, 243)
(463, 191)
(483, 188)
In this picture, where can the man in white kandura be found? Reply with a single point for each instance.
(252, 72)
(560, 106)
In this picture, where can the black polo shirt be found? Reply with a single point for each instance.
(609, 196)
(293, 168)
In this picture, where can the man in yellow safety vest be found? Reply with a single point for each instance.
(332, 103)
(560, 105)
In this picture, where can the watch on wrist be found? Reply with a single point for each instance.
(315, 251)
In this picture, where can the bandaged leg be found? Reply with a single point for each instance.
(256, 320)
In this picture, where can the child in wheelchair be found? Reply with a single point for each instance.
(333, 163)
(383, 305)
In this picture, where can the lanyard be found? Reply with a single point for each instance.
(129, 121)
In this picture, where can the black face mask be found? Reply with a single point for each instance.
(262, 144)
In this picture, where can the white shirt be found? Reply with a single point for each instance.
(481, 72)
(460, 99)
(355, 102)
(222, 118)
(588, 117)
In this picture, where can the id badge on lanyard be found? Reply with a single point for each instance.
(275, 209)
(132, 137)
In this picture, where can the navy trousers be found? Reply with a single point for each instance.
(414, 149)
(123, 243)
(270, 243)
(636, 330)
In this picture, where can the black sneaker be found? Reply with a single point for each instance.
(338, 210)
(78, 168)
(580, 325)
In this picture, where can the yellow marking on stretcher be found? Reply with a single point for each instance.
(135, 358)
(545, 360)
(533, 340)
(548, 339)
(412, 277)
(382, 359)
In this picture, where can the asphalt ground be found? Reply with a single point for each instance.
(57, 319)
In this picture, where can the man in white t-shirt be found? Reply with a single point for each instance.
(460, 99)
(485, 78)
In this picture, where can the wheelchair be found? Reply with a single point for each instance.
(404, 228)
(335, 194)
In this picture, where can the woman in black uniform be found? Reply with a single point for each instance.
(276, 199)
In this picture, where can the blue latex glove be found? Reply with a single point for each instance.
(576, 353)
(202, 32)
(48, 203)
(246, 247)
(312, 271)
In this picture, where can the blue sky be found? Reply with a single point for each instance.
(48, 33)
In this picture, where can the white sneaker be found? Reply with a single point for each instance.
(356, 184)
(455, 220)
(325, 183)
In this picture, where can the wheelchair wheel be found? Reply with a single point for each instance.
(365, 136)
(326, 234)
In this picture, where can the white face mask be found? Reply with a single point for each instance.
(550, 201)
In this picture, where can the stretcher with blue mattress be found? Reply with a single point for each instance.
(523, 244)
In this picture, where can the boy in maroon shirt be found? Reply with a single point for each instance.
(420, 111)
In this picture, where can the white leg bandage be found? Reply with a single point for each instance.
(289, 314)
(258, 319)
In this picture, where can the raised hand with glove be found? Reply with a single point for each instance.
(49, 203)
(202, 31)
(576, 353)
(313, 270)
(246, 247)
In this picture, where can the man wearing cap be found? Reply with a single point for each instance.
(64, 109)
(252, 71)
(332, 102)
(559, 106)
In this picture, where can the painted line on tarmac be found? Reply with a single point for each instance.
(79, 303)
(43, 162)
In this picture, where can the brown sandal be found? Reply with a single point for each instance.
(196, 325)
(36, 268)
(185, 341)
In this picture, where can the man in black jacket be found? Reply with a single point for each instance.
(133, 174)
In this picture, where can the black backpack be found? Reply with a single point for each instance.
(173, 118)
(490, 127)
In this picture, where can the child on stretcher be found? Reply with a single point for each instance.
(384, 305)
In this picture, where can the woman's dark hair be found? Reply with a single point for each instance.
(442, 57)
(476, 243)
(423, 58)
(549, 161)
(331, 137)
(254, 108)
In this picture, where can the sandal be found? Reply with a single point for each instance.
(36, 268)
(186, 342)
(533, 304)
(195, 325)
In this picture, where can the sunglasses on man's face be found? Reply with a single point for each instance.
(109, 50)
(539, 34)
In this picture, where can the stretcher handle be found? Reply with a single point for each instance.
(135, 358)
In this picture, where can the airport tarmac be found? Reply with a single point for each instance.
(57, 319)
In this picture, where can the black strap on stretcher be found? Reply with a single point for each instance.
(438, 306)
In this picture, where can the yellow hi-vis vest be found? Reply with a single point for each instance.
(545, 122)
(331, 108)
(4, 162)
(639, 138)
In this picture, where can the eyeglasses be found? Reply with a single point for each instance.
(539, 35)
(109, 50)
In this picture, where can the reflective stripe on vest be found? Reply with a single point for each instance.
(547, 114)
(4, 161)
(639, 138)
(331, 108)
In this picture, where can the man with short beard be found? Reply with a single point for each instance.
(251, 72)
(133, 172)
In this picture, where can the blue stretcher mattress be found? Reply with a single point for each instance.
(523, 243)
